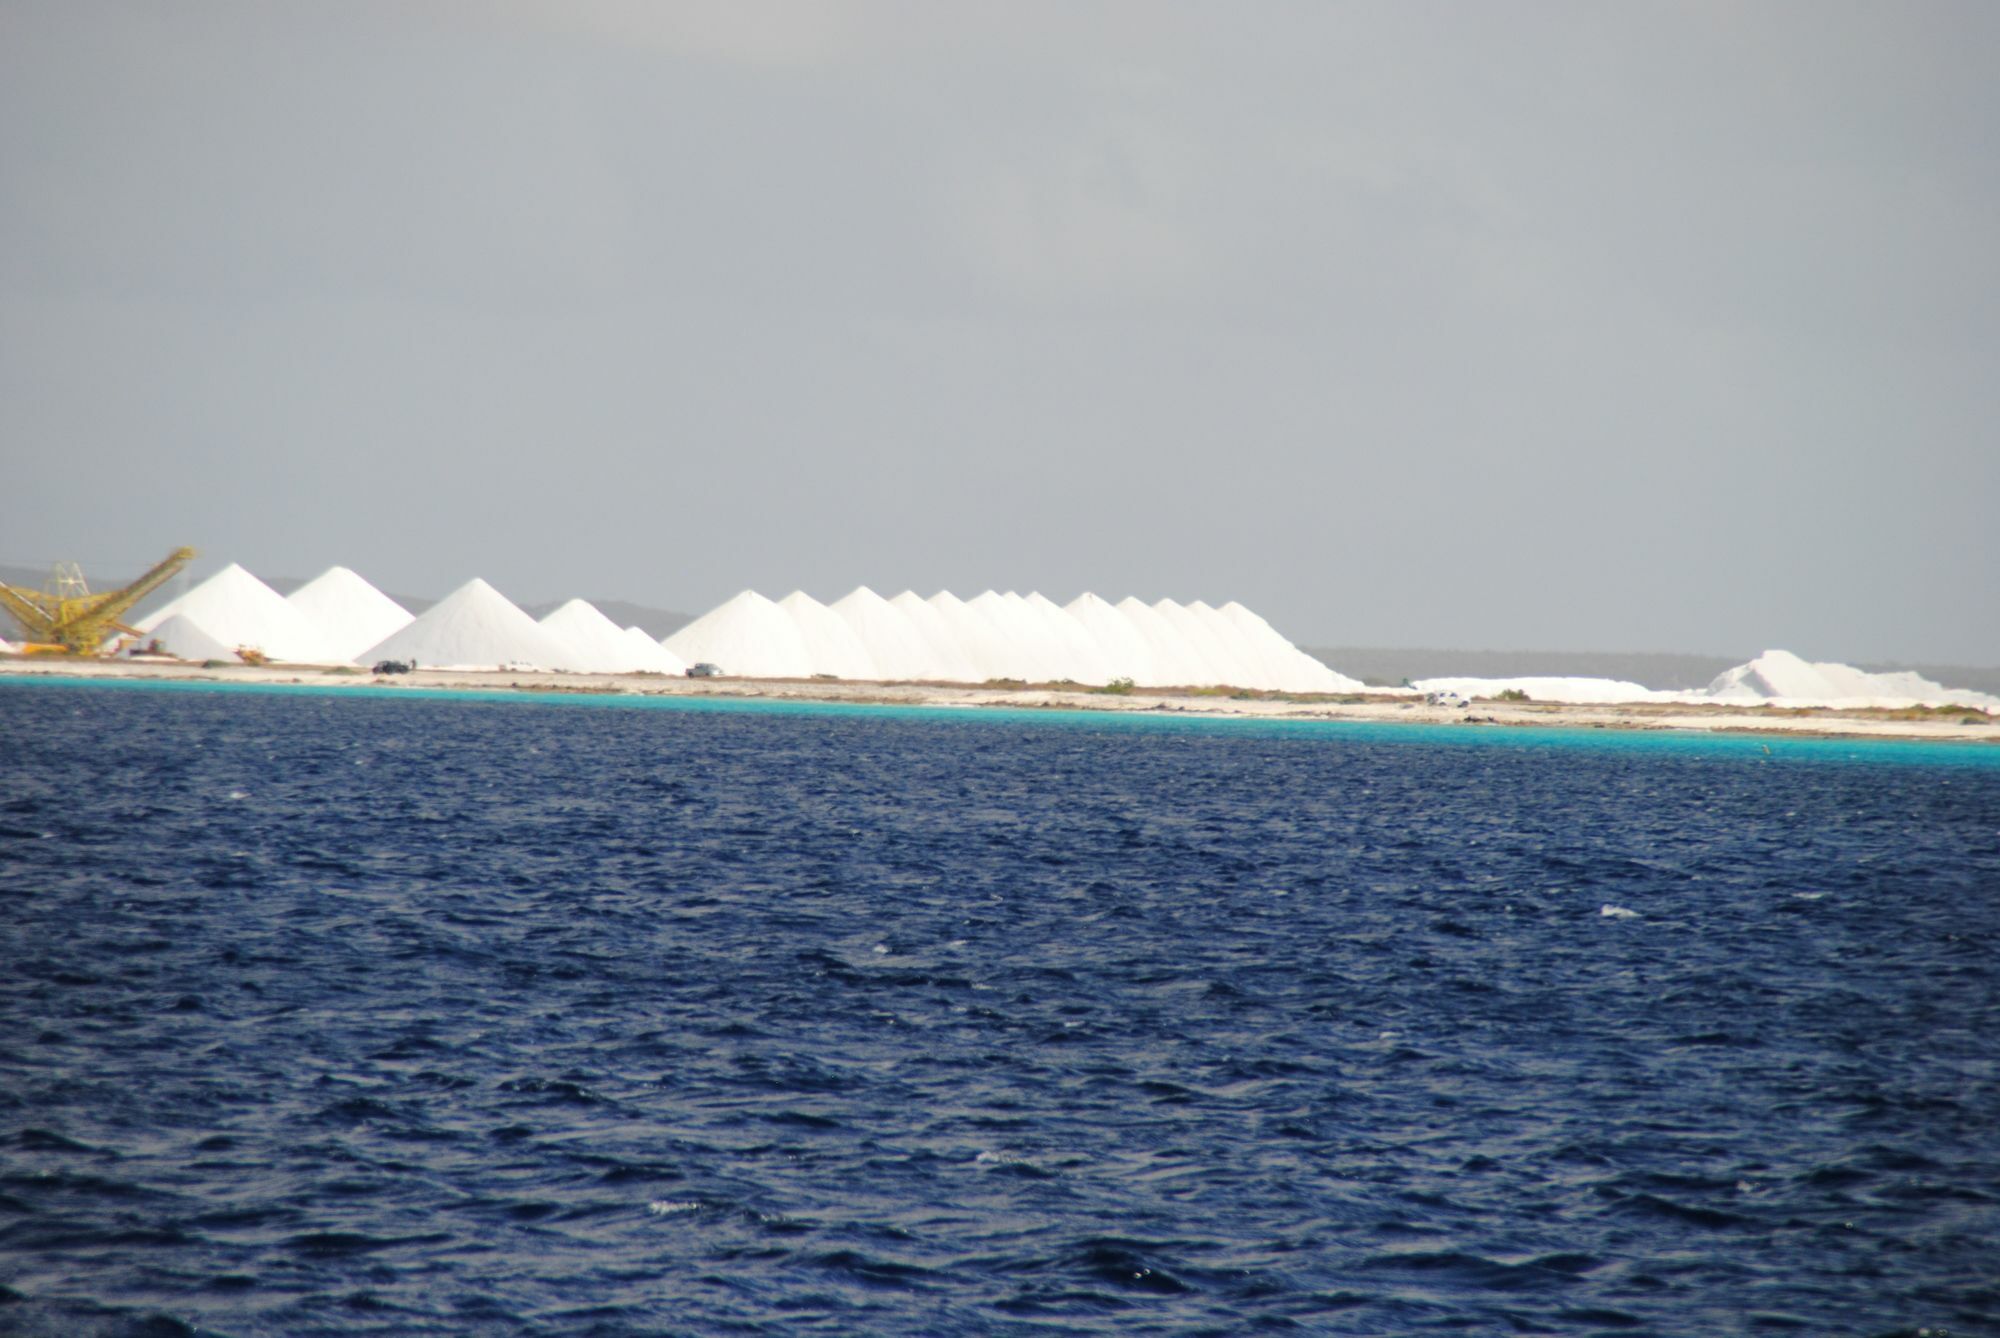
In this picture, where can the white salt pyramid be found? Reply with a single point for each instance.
(596, 645)
(746, 635)
(239, 610)
(185, 639)
(474, 627)
(1023, 645)
(894, 644)
(989, 649)
(651, 656)
(1291, 669)
(347, 613)
(831, 645)
(1076, 650)
(1196, 649)
(1176, 664)
(1125, 650)
(945, 650)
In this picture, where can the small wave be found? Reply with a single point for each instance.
(669, 1207)
(1612, 912)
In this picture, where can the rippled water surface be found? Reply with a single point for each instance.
(339, 1014)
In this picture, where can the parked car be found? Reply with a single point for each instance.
(394, 666)
(704, 670)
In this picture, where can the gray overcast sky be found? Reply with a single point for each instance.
(1567, 326)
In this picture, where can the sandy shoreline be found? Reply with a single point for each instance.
(1379, 709)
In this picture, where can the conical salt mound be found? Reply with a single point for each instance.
(1076, 653)
(951, 659)
(1174, 664)
(1234, 668)
(185, 639)
(474, 627)
(1125, 651)
(237, 609)
(1027, 648)
(831, 646)
(891, 640)
(596, 645)
(1779, 675)
(990, 650)
(348, 614)
(651, 656)
(1291, 669)
(748, 636)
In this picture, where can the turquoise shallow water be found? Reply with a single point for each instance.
(1908, 752)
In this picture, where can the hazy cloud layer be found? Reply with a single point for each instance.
(1631, 327)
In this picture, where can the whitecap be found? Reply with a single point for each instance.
(1616, 912)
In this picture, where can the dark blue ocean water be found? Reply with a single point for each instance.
(347, 1014)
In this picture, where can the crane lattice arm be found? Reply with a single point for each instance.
(119, 602)
(80, 623)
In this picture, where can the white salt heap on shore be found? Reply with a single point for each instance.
(862, 636)
(1775, 678)
(894, 645)
(1118, 641)
(237, 609)
(831, 646)
(652, 653)
(348, 614)
(596, 645)
(474, 627)
(950, 659)
(1000, 636)
(1568, 691)
(746, 635)
(185, 639)
(1782, 678)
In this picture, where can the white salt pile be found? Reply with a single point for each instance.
(1081, 660)
(1290, 668)
(651, 653)
(1776, 678)
(1782, 678)
(1020, 649)
(596, 645)
(474, 627)
(950, 659)
(747, 635)
(348, 614)
(185, 639)
(1565, 691)
(1178, 665)
(832, 648)
(892, 642)
(985, 645)
(1121, 647)
(239, 610)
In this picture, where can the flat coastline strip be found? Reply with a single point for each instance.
(1932, 726)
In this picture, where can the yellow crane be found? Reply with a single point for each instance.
(67, 618)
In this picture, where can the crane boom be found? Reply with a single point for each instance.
(80, 623)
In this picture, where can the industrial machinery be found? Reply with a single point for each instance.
(65, 618)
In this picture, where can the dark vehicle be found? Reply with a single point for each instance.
(394, 666)
(704, 670)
